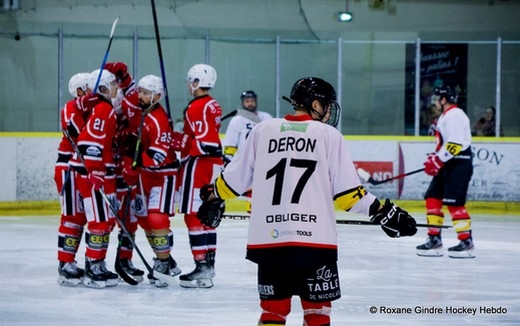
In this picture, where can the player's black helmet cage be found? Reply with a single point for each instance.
(248, 94)
(447, 92)
(308, 89)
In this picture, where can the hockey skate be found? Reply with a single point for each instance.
(97, 275)
(130, 269)
(200, 277)
(70, 274)
(160, 266)
(464, 249)
(174, 270)
(431, 248)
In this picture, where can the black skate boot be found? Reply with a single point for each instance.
(464, 249)
(200, 277)
(97, 276)
(160, 266)
(210, 259)
(431, 248)
(174, 270)
(130, 269)
(70, 274)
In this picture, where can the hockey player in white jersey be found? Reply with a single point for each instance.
(451, 166)
(239, 128)
(241, 125)
(298, 167)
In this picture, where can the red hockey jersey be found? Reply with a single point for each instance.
(202, 124)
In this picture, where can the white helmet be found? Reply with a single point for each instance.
(152, 83)
(79, 80)
(106, 79)
(205, 74)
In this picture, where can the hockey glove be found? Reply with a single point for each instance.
(395, 221)
(432, 165)
(120, 70)
(130, 175)
(211, 212)
(206, 191)
(179, 141)
(97, 179)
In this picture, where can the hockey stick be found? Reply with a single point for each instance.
(352, 222)
(161, 62)
(243, 113)
(106, 53)
(366, 176)
(417, 225)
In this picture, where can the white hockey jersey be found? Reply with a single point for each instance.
(453, 133)
(238, 130)
(297, 168)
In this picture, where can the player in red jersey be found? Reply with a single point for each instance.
(128, 115)
(155, 174)
(73, 117)
(201, 152)
(94, 171)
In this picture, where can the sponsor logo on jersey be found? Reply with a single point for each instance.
(300, 233)
(93, 151)
(288, 126)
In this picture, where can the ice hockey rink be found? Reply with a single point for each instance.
(383, 281)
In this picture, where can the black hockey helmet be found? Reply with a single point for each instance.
(307, 90)
(247, 94)
(447, 92)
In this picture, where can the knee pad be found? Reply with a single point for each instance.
(158, 221)
(274, 311)
(434, 206)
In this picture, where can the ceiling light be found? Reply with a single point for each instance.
(344, 16)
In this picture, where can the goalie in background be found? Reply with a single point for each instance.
(239, 128)
(451, 167)
(299, 165)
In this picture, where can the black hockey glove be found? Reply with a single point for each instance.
(210, 212)
(396, 222)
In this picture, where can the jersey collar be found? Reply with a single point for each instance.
(302, 117)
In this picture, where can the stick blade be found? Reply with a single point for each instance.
(363, 174)
(124, 276)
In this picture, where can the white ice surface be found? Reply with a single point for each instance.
(375, 271)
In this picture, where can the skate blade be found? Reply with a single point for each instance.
(430, 253)
(112, 282)
(137, 278)
(203, 283)
(69, 282)
(175, 271)
(94, 284)
(461, 254)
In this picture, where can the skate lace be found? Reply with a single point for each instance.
(70, 268)
(99, 267)
(161, 266)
